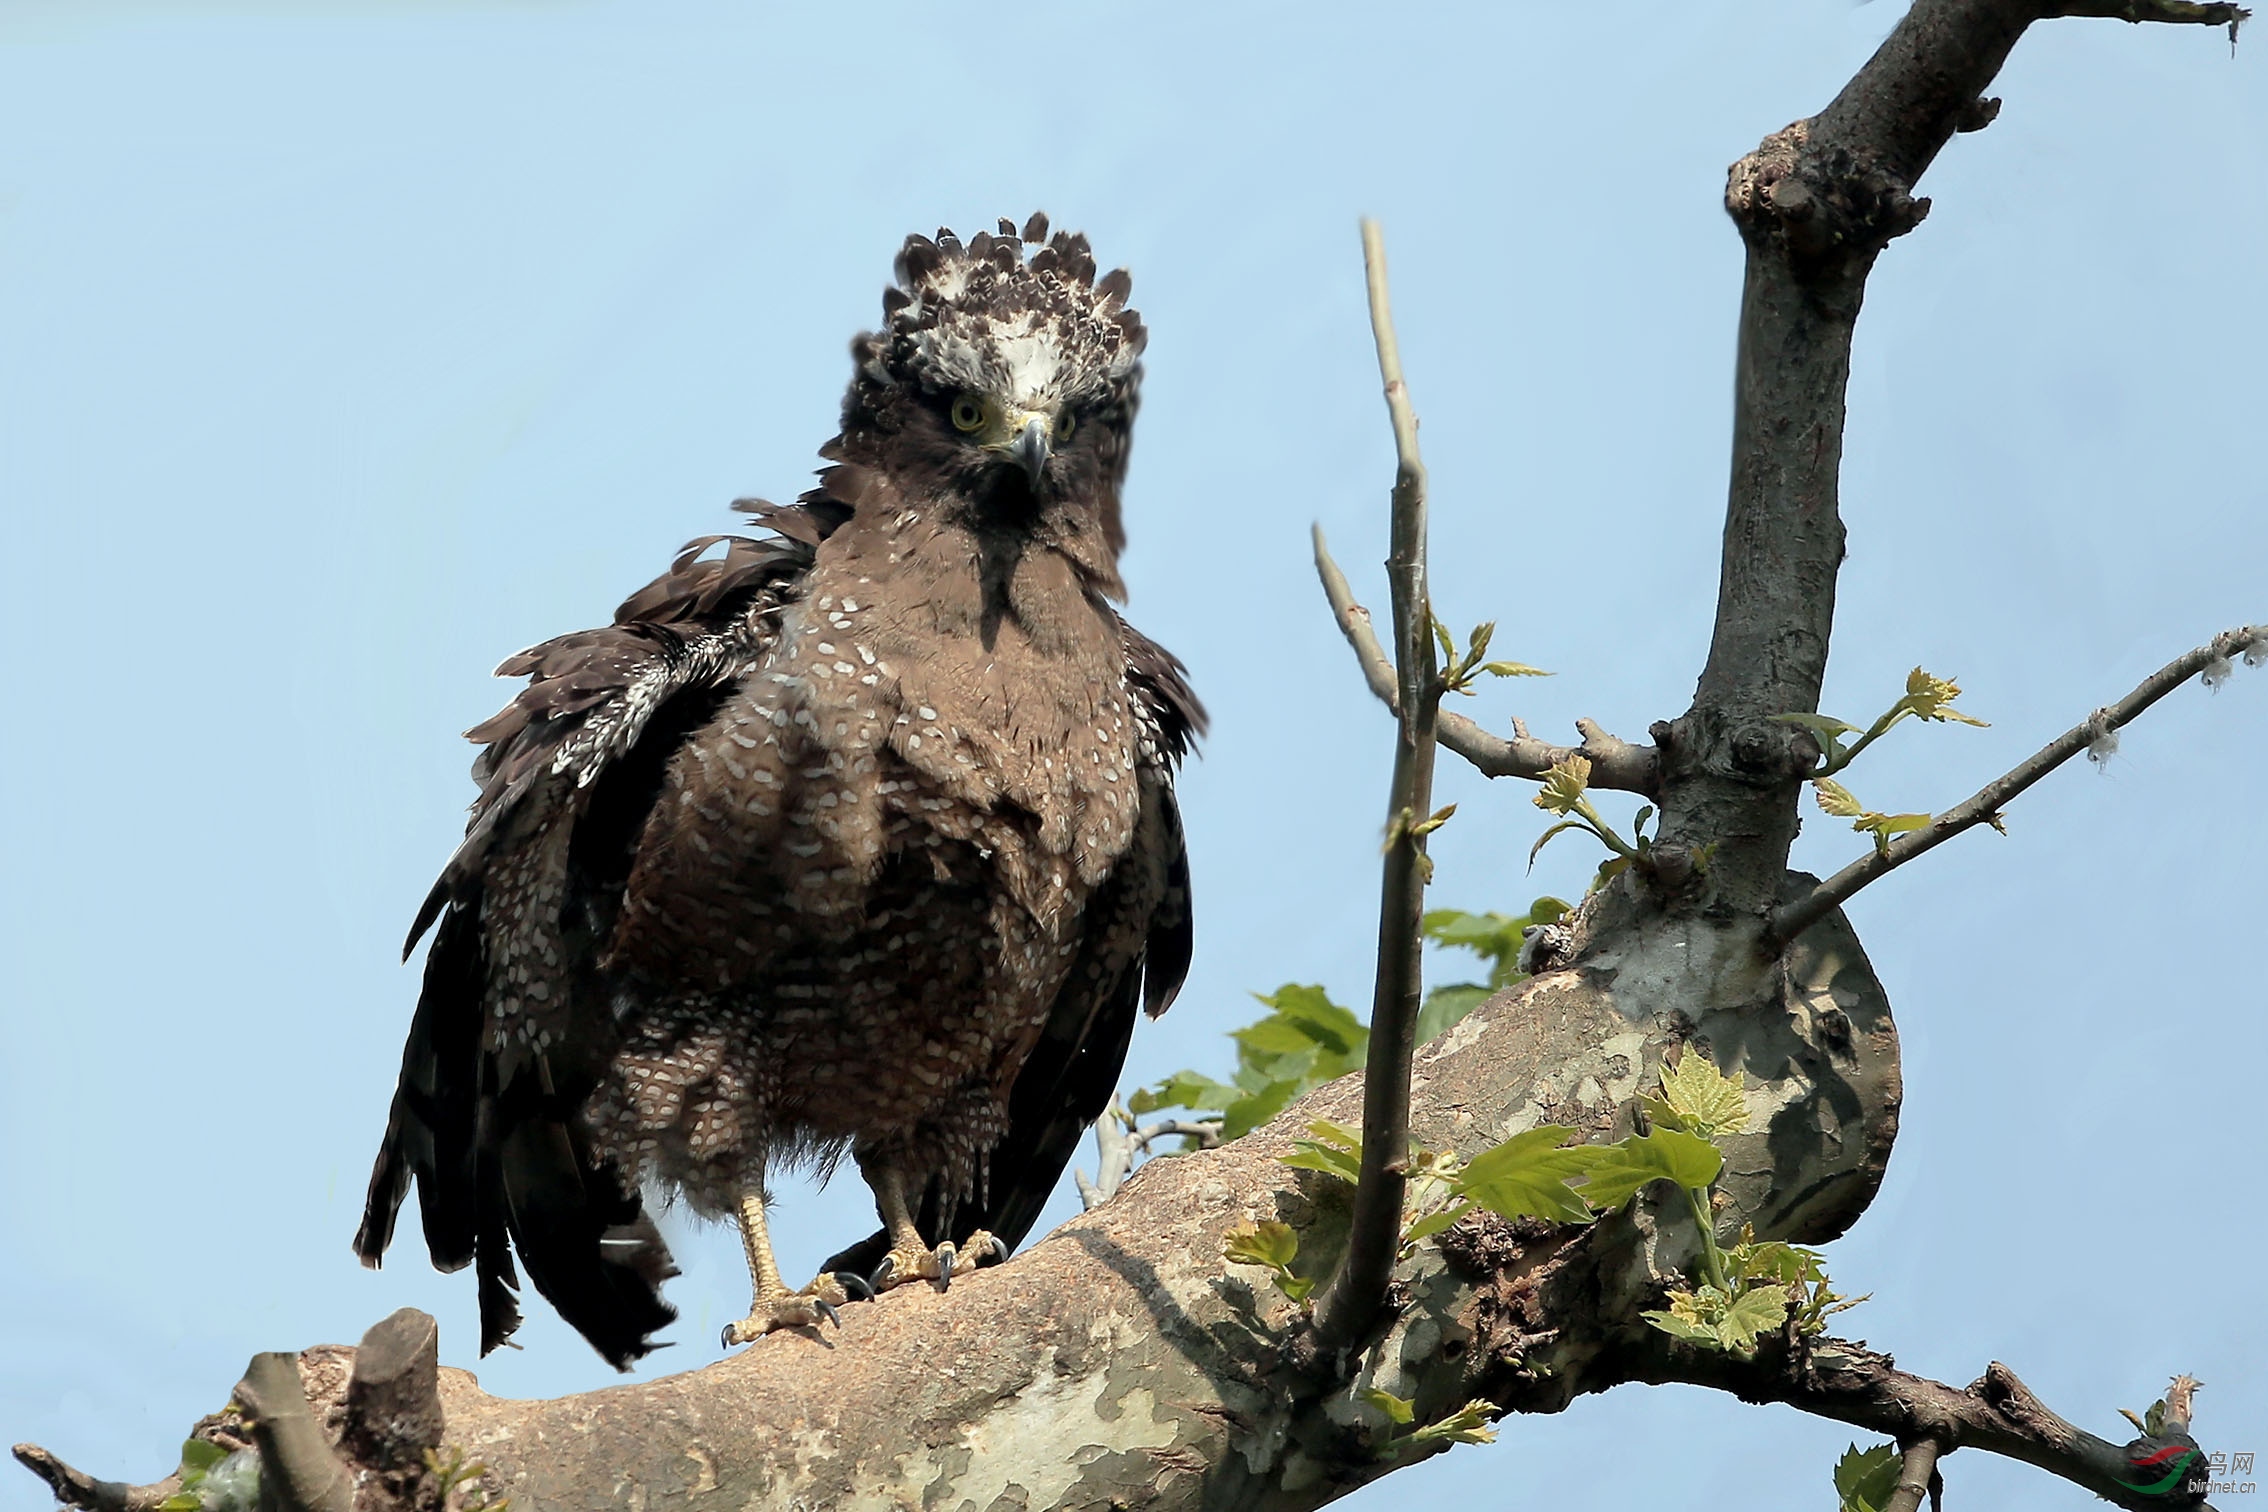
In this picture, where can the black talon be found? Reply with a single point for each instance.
(856, 1284)
(827, 1311)
(724, 1338)
(882, 1274)
(945, 1267)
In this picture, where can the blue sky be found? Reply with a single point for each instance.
(346, 348)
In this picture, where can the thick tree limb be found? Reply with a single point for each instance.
(1349, 1303)
(1150, 1371)
(1816, 203)
(1984, 806)
(1615, 763)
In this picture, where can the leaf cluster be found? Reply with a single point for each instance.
(1461, 669)
(1566, 792)
(1864, 1478)
(215, 1480)
(1304, 1041)
(1927, 696)
(1496, 938)
(1467, 1425)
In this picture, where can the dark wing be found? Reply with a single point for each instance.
(1067, 1081)
(486, 1115)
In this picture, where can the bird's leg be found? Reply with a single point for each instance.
(910, 1258)
(775, 1306)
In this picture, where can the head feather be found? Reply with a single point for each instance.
(1036, 330)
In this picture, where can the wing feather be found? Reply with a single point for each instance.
(486, 1122)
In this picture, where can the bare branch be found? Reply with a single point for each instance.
(1984, 806)
(1351, 1300)
(1917, 1477)
(1850, 1383)
(299, 1472)
(76, 1488)
(1615, 764)
(1118, 1141)
(2174, 12)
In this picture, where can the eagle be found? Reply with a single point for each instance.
(856, 837)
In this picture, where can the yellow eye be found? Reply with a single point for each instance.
(1064, 425)
(968, 413)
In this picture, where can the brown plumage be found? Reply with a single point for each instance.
(859, 838)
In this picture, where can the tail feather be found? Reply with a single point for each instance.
(499, 1167)
(587, 1245)
(430, 1130)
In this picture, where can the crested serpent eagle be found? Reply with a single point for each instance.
(855, 838)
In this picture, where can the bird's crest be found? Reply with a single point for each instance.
(1036, 330)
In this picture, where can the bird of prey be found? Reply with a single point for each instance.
(854, 838)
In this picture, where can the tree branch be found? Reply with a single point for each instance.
(1615, 763)
(1816, 203)
(1350, 1302)
(76, 1488)
(1850, 1383)
(299, 1470)
(1917, 1478)
(1984, 806)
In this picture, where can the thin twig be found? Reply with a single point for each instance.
(2173, 12)
(1984, 806)
(1615, 763)
(1118, 1140)
(1357, 1290)
(1917, 1478)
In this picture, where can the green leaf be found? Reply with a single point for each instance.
(1270, 1243)
(1512, 669)
(1932, 697)
(1333, 1150)
(1825, 726)
(1467, 1425)
(1836, 799)
(182, 1501)
(1397, 1409)
(1864, 1478)
(1562, 826)
(1708, 1102)
(1621, 1169)
(1244, 1115)
(1447, 642)
(1437, 1221)
(1184, 1089)
(1563, 785)
(1773, 1261)
(1527, 1176)
(1756, 1311)
(1682, 1328)
(1309, 1012)
(201, 1455)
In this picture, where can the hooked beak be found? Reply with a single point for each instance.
(1030, 448)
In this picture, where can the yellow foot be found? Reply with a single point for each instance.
(800, 1309)
(908, 1263)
